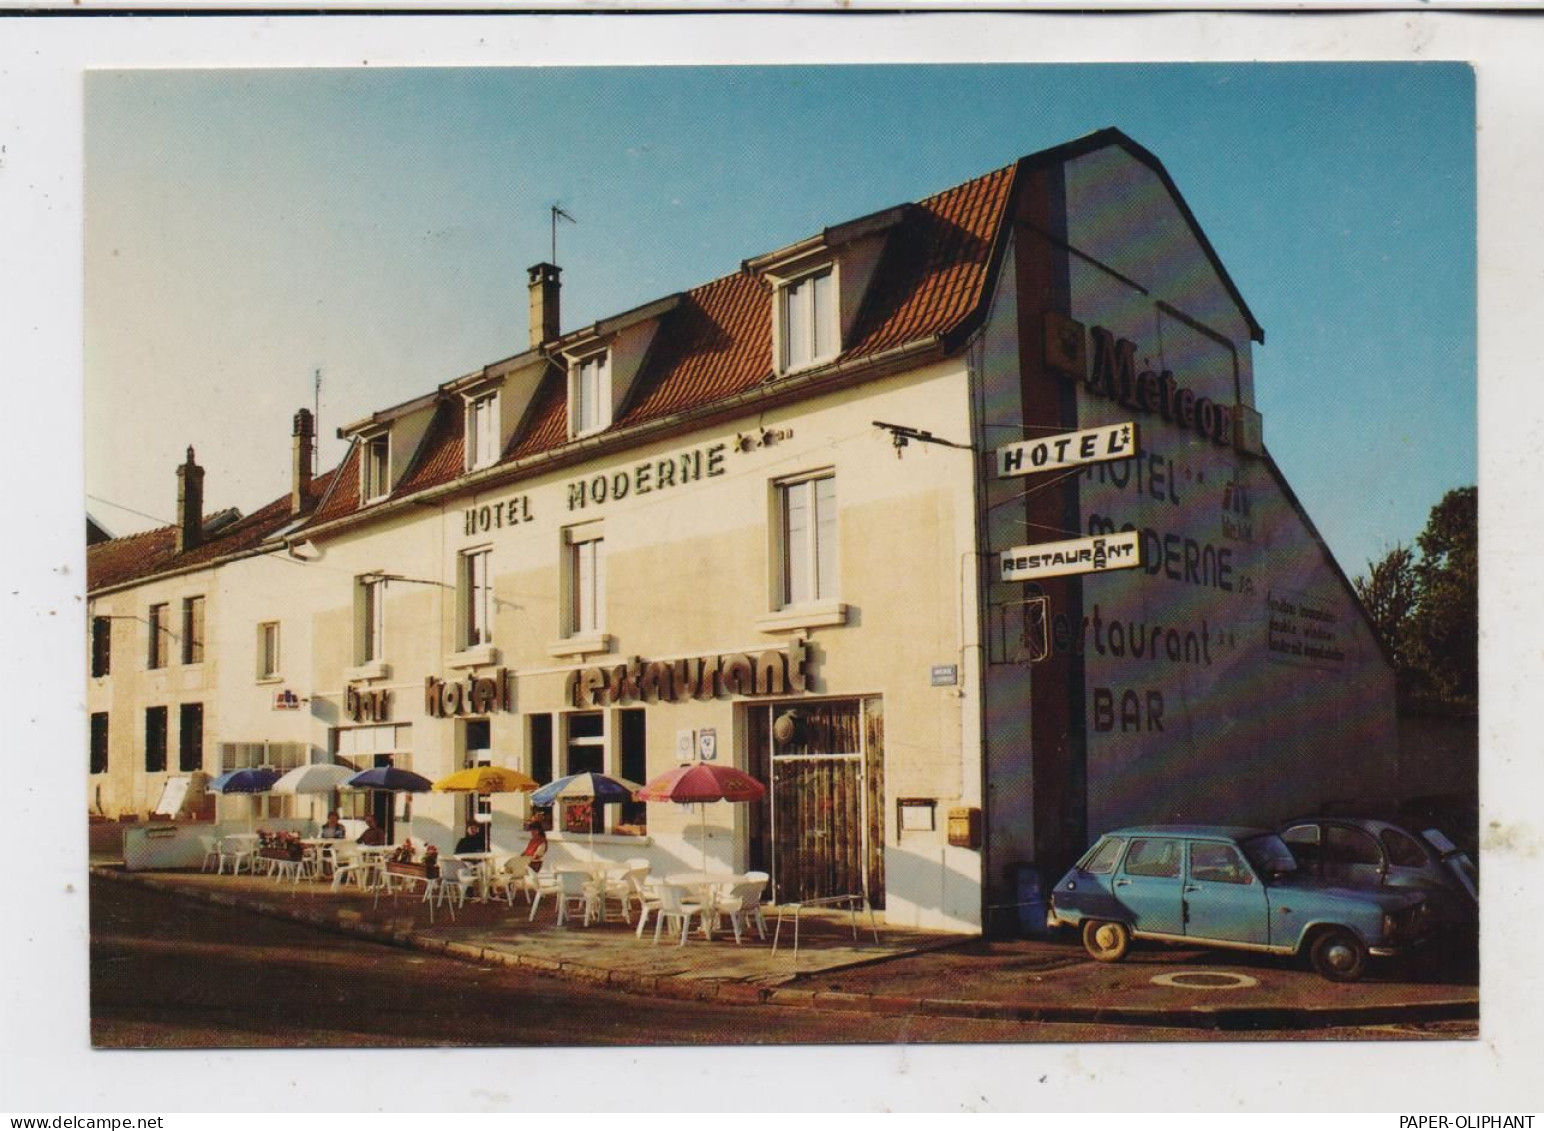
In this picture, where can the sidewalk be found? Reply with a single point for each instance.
(907, 971)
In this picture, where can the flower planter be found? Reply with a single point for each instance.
(280, 854)
(424, 871)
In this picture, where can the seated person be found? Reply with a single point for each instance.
(372, 833)
(536, 847)
(333, 829)
(475, 840)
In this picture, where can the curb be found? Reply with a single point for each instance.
(679, 988)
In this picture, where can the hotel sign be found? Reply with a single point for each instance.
(1080, 555)
(1069, 449)
(444, 699)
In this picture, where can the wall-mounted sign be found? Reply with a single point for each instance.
(704, 677)
(367, 705)
(286, 700)
(707, 744)
(1113, 374)
(685, 745)
(496, 516)
(471, 696)
(1079, 555)
(1069, 449)
(944, 675)
(648, 477)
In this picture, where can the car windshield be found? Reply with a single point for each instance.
(1269, 855)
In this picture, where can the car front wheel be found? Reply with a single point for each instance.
(1338, 955)
(1106, 941)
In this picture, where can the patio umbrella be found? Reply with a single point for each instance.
(254, 779)
(390, 779)
(702, 782)
(317, 778)
(598, 789)
(486, 779)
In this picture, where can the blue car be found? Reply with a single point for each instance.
(1210, 885)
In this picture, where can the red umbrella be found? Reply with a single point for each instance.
(703, 782)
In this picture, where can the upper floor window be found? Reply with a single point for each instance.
(808, 511)
(192, 630)
(807, 320)
(268, 650)
(101, 645)
(482, 431)
(589, 394)
(476, 598)
(156, 657)
(155, 740)
(375, 468)
(370, 608)
(586, 571)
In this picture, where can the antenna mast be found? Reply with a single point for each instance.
(316, 424)
(556, 212)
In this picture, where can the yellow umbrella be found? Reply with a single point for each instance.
(486, 779)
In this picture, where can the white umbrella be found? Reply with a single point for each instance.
(318, 778)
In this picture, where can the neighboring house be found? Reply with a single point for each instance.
(680, 533)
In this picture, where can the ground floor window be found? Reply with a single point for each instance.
(539, 744)
(155, 740)
(585, 752)
(633, 756)
(365, 747)
(820, 831)
(99, 742)
(190, 737)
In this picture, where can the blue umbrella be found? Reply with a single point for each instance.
(598, 789)
(256, 779)
(391, 780)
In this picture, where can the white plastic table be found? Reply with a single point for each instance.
(853, 903)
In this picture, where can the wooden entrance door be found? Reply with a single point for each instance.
(827, 805)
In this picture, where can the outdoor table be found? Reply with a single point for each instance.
(705, 886)
(374, 856)
(480, 861)
(851, 902)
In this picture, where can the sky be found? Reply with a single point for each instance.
(245, 228)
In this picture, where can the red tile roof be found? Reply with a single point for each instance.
(135, 557)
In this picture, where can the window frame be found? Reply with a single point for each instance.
(194, 612)
(101, 742)
(375, 467)
(475, 601)
(266, 670)
(822, 315)
(584, 545)
(813, 561)
(158, 748)
(370, 627)
(482, 430)
(600, 399)
(186, 711)
(155, 618)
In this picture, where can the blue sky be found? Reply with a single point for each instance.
(246, 227)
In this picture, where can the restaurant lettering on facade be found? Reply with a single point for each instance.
(472, 696)
(702, 677)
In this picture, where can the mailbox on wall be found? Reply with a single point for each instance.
(965, 828)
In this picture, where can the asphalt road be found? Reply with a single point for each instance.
(167, 972)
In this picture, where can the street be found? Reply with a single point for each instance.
(168, 972)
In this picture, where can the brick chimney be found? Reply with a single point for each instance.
(300, 460)
(544, 303)
(190, 504)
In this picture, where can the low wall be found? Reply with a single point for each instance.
(166, 846)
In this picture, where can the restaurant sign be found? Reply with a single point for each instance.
(367, 705)
(474, 695)
(1069, 449)
(700, 677)
(1079, 555)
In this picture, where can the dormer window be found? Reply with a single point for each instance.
(482, 431)
(589, 393)
(375, 468)
(807, 320)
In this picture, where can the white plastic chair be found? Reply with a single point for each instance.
(351, 867)
(211, 845)
(513, 875)
(540, 884)
(237, 850)
(578, 890)
(742, 904)
(678, 911)
(467, 880)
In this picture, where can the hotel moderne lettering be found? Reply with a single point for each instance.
(677, 532)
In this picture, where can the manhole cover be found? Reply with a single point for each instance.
(1205, 980)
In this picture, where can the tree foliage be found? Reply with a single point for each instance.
(1426, 608)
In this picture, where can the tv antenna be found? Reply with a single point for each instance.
(557, 212)
(316, 423)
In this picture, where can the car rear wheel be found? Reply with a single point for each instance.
(1106, 941)
(1338, 955)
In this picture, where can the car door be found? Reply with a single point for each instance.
(1148, 885)
(1224, 900)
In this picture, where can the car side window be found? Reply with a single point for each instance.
(1344, 846)
(1217, 863)
(1303, 840)
(1101, 861)
(1153, 858)
(1403, 851)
